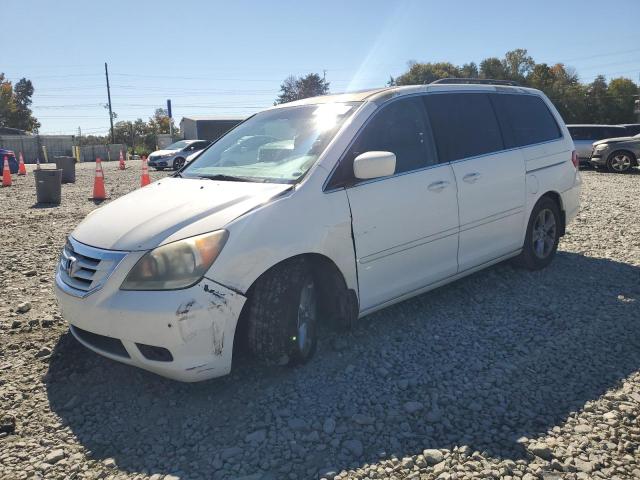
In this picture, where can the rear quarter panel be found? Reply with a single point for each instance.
(549, 168)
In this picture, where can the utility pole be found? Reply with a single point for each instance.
(133, 141)
(170, 118)
(106, 73)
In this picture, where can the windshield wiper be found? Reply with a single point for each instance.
(229, 178)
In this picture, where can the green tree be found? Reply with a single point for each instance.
(423, 73)
(15, 102)
(469, 70)
(160, 122)
(517, 64)
(597, 102)
(296, 88)
(621, 94)
(492, 67)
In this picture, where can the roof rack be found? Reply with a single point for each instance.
(482, 81)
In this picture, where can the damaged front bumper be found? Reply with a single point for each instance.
(186, 335)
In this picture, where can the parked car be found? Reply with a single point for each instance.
(354, 202)
(11, 156)
(584, 136)
(618, 155)
(632, 128)
(174, 156)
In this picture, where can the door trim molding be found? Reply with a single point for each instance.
(409, 245)
(439, 283)
(491, 218)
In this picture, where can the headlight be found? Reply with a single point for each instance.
(176, 265)
(601, 147)
(165, 155)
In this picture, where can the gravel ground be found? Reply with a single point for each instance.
(505, 374)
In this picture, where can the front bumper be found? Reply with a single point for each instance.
(164, 162)
(195, 325)
(598, 159)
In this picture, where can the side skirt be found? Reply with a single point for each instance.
(437, 284)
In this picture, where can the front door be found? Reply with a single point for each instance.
(405, 226)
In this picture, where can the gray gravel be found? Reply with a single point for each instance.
(505, 374)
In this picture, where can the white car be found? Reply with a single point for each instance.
(176, 155)
(341, 206)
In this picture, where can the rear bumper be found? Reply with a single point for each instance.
(186, 335)
(571, 199)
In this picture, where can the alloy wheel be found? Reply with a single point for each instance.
(544, 233)
(621, 162)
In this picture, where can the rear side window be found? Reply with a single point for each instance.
(613, 132)
(580, 133)
(525, 120)
(464, 125)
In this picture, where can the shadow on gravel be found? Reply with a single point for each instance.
(38, 206)
(500, 355)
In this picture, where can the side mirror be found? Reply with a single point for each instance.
(374, 165)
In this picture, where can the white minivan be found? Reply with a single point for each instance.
(321, 210)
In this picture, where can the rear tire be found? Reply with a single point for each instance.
(282, 323)
(620, 162)
(542, 237)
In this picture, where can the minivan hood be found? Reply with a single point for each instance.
(615, 140)
(169, 210)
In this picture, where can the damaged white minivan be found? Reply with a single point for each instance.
(321, 210)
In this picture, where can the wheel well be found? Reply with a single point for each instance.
(338, 305)
(555, 196)
(634, 159)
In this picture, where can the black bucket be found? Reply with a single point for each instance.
(48, 185)
(68, 167)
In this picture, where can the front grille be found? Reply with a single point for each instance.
(85, 269)
(101, 342)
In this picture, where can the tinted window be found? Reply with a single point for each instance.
(580, 133)
(464, 125)
(615, 132)
(632, 129)
(595, 132)
(525, 120)
(400, 127)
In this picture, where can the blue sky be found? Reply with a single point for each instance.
(229, 58)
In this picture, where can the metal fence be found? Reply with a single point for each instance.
(89, 153)
(33, 147)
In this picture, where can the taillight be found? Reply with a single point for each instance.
(574, 159)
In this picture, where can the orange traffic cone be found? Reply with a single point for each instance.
(145, 180)
(6, 173)
(98, 183)
(122, 164)
(22, 170)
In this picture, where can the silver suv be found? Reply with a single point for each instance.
(175, 155)
(619, 155)
(584, 135)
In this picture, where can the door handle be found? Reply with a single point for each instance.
(471, 177)
(438, 186)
